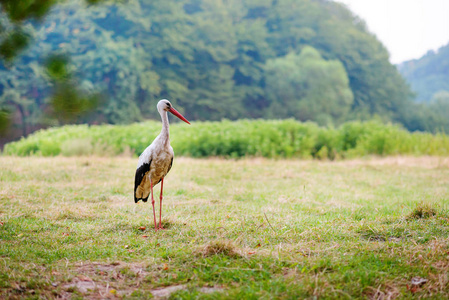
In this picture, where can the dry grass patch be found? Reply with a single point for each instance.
(217, 247)
(99, 281)
(383, 292)
(422, 211)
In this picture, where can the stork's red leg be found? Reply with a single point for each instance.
(152, 203)
(160, 208)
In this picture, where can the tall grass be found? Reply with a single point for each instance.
(266, 138)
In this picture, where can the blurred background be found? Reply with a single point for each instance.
(109, 62)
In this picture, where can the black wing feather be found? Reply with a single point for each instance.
(140, 174)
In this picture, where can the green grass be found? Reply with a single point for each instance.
(244, 229)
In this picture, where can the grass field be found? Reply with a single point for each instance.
(237, 229)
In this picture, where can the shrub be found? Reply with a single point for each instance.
(266, 138)
(77, 147)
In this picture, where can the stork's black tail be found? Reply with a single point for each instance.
(139, 181)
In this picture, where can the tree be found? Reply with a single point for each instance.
(429, 74)
(307, 87)
(377, 86)
(439, 105)
(19, 21)
(21, 86)
(213, 59)
(429, 116)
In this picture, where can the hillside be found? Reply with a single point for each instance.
(214, 59)
(429, 74)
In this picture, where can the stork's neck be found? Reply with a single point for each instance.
(165, 132)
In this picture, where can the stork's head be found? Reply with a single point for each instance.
(165, 105)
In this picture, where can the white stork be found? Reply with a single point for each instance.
(156, 161)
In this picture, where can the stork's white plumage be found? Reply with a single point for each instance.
(155, 162)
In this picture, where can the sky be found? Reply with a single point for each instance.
(407, 28)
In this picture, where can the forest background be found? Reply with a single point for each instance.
(75, 62)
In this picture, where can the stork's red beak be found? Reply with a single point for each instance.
(176, 113)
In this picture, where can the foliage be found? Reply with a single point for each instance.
(429, 74)
(13, 42)
(439, 107)
(4, 120)
(15, 20)
(68, 101)
(308, 87)
(429, 79)
(286, 138)
(21, 10)
(431, 116)
(215, 59)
